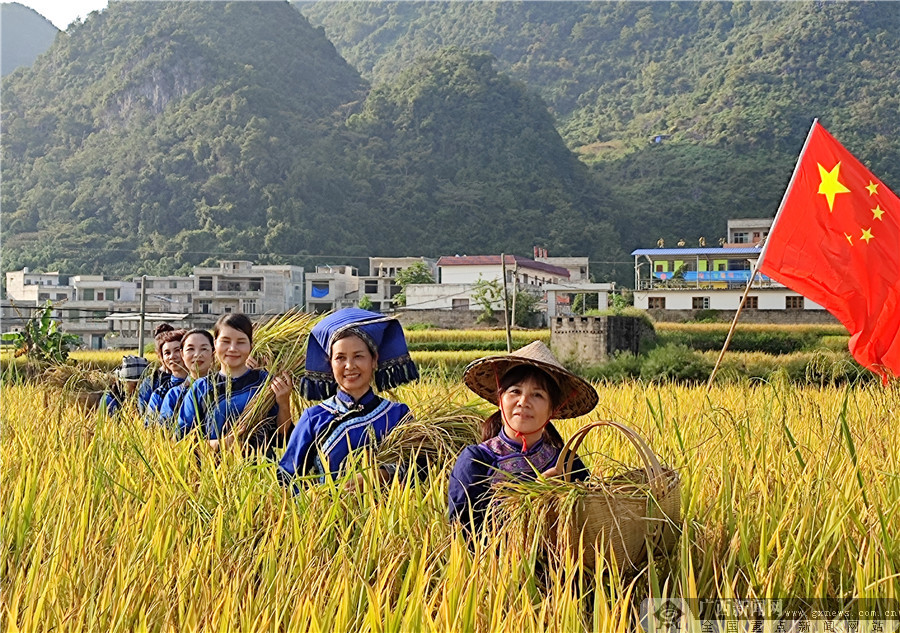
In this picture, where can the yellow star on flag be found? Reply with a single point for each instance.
(872, 187)
(867, 235)
(878, 212)
(830, 185)
(849, 239)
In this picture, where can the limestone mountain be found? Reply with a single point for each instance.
(158, 135)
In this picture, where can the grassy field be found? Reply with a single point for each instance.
(787, 492)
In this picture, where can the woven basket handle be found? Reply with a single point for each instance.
(566, 459)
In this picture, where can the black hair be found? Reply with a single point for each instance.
(205, 333)
(237, 321)
(352, 331)
(162, 327)
(491, 426)
(166, 336)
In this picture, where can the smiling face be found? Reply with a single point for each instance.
(353, 365)
(526, 407)
(171, 358)
(232, 350)
(197, 354)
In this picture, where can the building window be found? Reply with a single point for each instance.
(44, 295)
(395, 290)
(656, 303)
(460, 304)
(205, 307)
(59, 296)
(100, 296)
(87, 294)
(227, 309)
(256, 284)
(173, 285)
(793, 302)
(700, 303)
(231, 286)
(248, 306)
(752, 303)
(204, 283)
(319, 289)
(741, 237)
(371, 287)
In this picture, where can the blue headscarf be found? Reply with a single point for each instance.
(380, 332)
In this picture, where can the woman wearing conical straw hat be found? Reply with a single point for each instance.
(530, 388)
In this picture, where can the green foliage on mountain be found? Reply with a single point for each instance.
(24, 34)
(734, 85)
(156, 136)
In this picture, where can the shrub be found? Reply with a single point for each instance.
(675, 362)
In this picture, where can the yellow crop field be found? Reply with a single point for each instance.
(787, 492)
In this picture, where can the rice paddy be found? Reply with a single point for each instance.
(788, 491)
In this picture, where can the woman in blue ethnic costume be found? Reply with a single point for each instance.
(345, 352)
(159, 378)
(530, 387)
(213, 404)
(197, 357)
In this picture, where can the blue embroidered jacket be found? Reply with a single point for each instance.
(212, 405)
(171, 404)
(480, 465)
(336, 427)
(153, 411)
(151, 383)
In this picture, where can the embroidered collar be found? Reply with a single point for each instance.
(517, 446)
(343, 402)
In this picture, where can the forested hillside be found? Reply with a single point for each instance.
(734, 85)
(159, 135)
(25, 35)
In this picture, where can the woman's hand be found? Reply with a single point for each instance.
(553, 471)
(281, 386)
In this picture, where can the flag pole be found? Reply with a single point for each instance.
(759, 259)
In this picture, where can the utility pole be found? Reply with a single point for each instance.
(515, 291)
(506, 304)
(141, 323)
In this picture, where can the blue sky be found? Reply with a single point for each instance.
(64, 12)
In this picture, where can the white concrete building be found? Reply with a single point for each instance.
(242, 286)
(468, 269)
(459, 275)
(379, 285)
(680, 281)
(332, 288)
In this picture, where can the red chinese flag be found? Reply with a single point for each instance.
(836, 240)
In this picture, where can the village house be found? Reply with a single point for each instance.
(675, 284)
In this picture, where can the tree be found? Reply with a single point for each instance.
(489, 295)
(418, 273)
(41, 341)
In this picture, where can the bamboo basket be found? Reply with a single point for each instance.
(624, 516)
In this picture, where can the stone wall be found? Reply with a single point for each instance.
(589, 340)
(812, 317)
(449, 319)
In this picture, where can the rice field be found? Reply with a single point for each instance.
(787, 492)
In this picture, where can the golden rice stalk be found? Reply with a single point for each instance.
(73, 378)
(437, 429)
(279, 346)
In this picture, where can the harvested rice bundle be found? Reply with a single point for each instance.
(279, 346)
(72, 378)
(437, 429)
(616, 517)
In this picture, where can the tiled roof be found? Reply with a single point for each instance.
(494, 260)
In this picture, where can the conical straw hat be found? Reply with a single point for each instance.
(483, 375)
